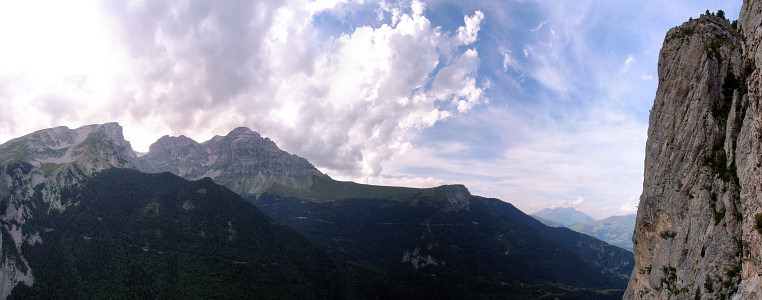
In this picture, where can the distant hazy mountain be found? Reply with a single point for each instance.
(547, 222)
(565, 215)
(616, 230)
(607, 259)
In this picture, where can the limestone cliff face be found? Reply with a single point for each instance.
(748, 154)
(687, 240)
(243, 161)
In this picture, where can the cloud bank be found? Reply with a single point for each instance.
(348, 103)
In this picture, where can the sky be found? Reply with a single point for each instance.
(538, 103)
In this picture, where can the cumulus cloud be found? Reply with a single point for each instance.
(348, 103)
(629, 207)
(467, 34)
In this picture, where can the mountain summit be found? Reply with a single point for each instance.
(242, 160)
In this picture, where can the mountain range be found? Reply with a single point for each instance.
(615, 230)
(83, 214)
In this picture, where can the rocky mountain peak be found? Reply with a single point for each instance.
(457, 195)
(100, 145)
(455, 189)
(242, 160)
(241, 138)
(42, 164)
(167, 140)
(706, 25)
(243, 131)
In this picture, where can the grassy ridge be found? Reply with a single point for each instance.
(327, 190)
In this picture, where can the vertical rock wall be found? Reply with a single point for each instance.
(687, 239)
(749, 157)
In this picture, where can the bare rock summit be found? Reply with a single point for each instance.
(243, 161)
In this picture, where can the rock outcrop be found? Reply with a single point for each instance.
(243, 161)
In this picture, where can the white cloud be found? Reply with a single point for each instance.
(54, 68)
(418, 7)
(539, 26)
(629, 207)
(392, 9)
(509, 61)
(552, 78)
(627, 63)
(458, 82)
(565, 203)
(467, 34)
(402, 180)
(322, 5)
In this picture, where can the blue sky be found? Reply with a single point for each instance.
(539, 103)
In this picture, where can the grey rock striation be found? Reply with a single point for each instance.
(693, 213)
(243, 161)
